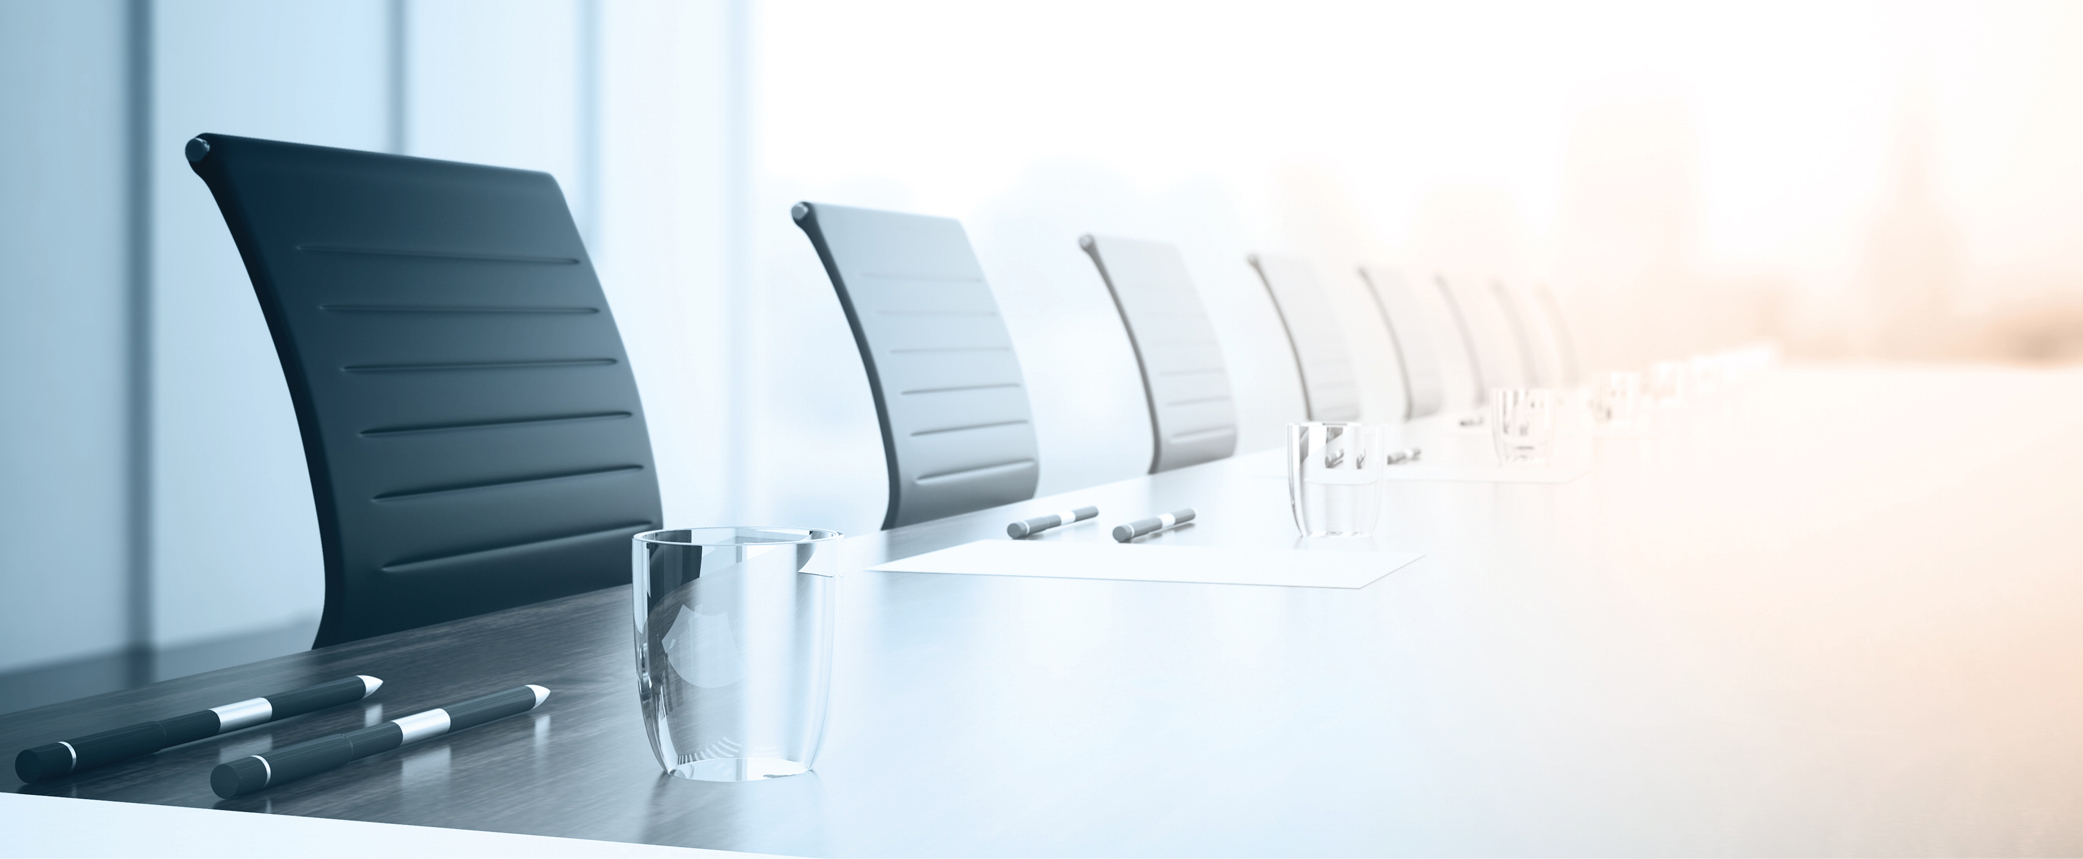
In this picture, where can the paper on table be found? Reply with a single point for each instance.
(1143, 563)
(1484, 473)
(1476, 473)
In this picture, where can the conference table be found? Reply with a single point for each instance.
(1836, 611)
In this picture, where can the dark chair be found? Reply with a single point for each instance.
(1330, 389)
(1192, 419)
(469, 416)
(956, 428)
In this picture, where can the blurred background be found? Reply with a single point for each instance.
(1855, 181)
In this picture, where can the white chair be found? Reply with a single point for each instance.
(956, 426)
(1330, 388)
(1415, 327)
(1536, 367)
(1480, 377)
(1549, 314)
(1192, 418)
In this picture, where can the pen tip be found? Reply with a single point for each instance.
(540, 693)
(369, 684)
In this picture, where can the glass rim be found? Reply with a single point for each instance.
(804, 535)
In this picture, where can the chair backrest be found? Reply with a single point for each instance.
(1411, 324)
(1549, 314)
(470, 421)
(1495, 344)
(1192, 417)
(1330, 390)
(1463, 335)
(956, 427)
(1536, 369)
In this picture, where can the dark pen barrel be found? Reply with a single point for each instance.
(1152, 525)
(110, 746)
(47, 761)
(255, 772)
(1039, 524)
(1035, 525)
(485, 708)
(94, 750)
(319, 697)
(189, 728)
(54, 760)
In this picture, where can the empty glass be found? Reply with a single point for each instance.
(734, 648)
(1667, 383)
(1741, 366)
(1522, 425)
(1703, 375)
(1334, 477)
(1616, 400)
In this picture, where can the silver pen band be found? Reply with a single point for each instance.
(243, 714)
(420, 726)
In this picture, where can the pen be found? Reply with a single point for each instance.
(66, 757)
(1140, 527)
(1039, 524)
(254, 772)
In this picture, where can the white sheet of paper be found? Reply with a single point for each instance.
(1486, 473)
(1134, 562)
(1476, 473)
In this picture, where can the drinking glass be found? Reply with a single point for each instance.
(1702, 375)
(734, 648)
(1334, 477)
(1522, 425)
(1616, 400)
(1667, 383)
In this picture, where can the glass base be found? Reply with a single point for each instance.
(737, 769)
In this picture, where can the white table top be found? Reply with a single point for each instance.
(1836, 614)
(51, 827)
